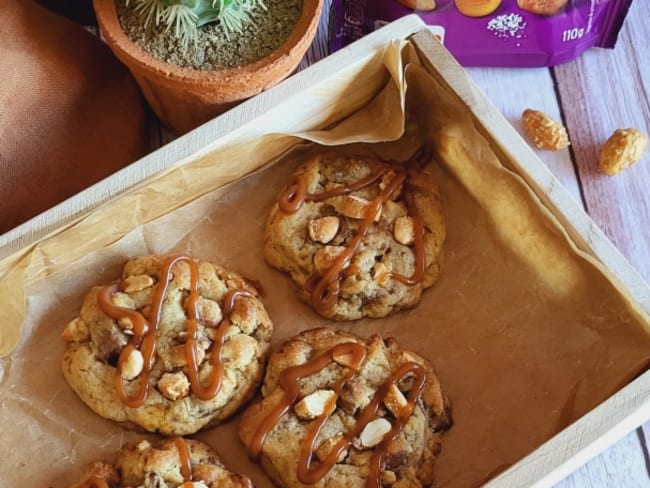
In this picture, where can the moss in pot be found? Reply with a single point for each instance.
(194, 59)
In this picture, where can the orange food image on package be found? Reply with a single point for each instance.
(477, 8)
(426, 5)
(542, 7)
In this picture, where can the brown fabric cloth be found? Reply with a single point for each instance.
(70, 113)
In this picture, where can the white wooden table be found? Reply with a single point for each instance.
(601, 91)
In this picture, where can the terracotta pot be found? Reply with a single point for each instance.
(184, 98)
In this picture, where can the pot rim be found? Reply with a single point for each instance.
(299, 40)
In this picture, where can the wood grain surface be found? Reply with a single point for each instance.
(599, 92)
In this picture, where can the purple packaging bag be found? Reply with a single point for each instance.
(492, 32)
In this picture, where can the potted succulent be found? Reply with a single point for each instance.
(181, 88)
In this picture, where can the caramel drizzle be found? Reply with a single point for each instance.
(295, 194)
(400, 420)
(309, 470)
(214, 381)
(144, 333)
(290, 383)
(324, 289)
(185, 460)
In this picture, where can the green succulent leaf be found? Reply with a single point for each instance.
(185, 17)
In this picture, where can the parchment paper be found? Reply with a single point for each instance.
(526, 332)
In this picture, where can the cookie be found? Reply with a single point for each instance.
(339, 410)
(361, 237)
(168, 463)
(175, 346)
(542, 7)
